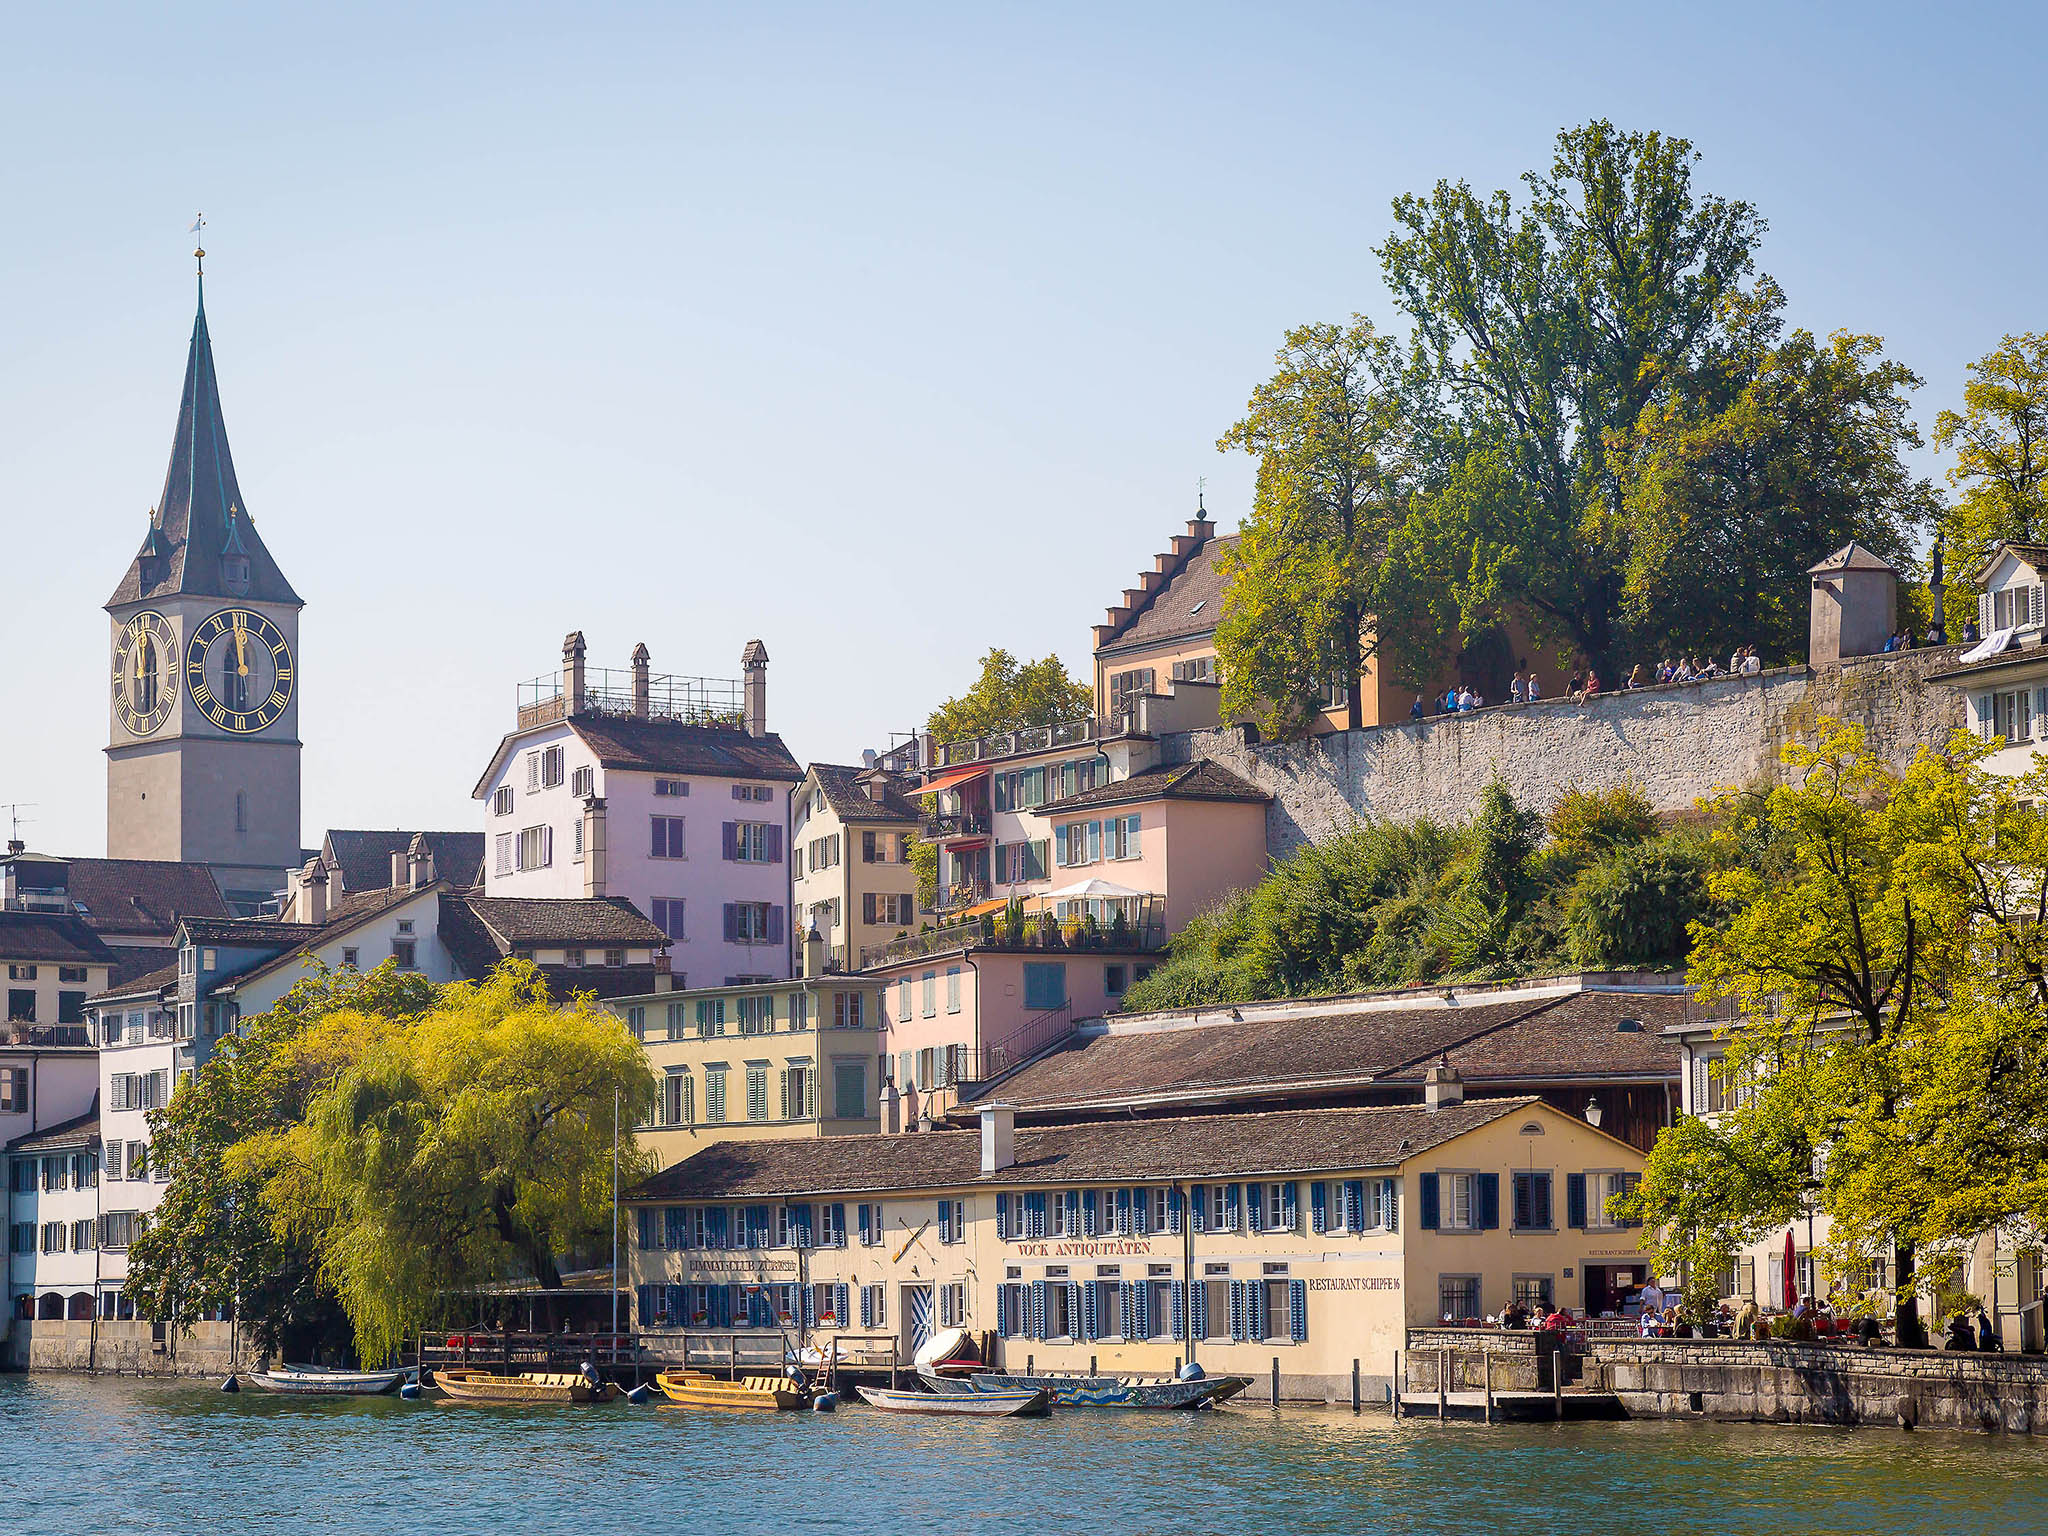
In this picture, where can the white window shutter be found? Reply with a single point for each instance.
(1984, 613)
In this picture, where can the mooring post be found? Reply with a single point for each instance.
(1276, 1381)
(1443, 1391)
(1091, 1365)
(1356, 1404)
(1557, 1389)
(1489, 1386)
(1394, 1386)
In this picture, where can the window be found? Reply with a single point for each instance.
(757, 1091)
(874, 1306)
(636, 1022)
(1126, 686)
(928, 991)
(572, 957)
(550, 767)
(138, 1162)
(583, 782)
(757, 1015)
(849, 1090)
(81, 1235)
(1019, 862)
(1120, 838)
(351, 957)
(1461, 1206)
(671, 789)
(668, 838)
(501, 800)
(668, 916)
(1457, 1297)
(405, 951)
(53, 1237)
(117, 1229)
(21, 1005)
(714, 1094)
(799, 1010)
(753, 922)
(1199, 669)
(21, 973)
(1115, 978)
(757, 792)
(536, 847)
(615, 958)
(13, 1090)
(1535, 1292)
(952, 989)
(753, 842)
(501, 853)
(889, 910)
(1532, 1202)
(1045, 985)
(1600, 1187)
(71, 973)
(848, 1010)
(678, 1103)
(710, 1017)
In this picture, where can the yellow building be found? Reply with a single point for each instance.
(772, 1061)
(850, 838)
(1311, 1238)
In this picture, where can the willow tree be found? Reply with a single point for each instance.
(470, 1147)
(1887, 957)
(1303, 580)
(2000, 440)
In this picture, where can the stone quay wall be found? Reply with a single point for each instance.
(123, 1349)
(1678, 743)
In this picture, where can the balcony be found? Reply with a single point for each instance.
(662, 696)
(1035, 738)
(960, 827)
(1140, 931)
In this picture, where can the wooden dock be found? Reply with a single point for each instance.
(1512, 1407)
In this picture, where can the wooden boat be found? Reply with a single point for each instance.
(465, 1384)
(961, 1405)
(696, 1389)
(319, 1381)
(1098, 1391)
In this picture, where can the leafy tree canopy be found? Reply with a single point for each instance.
(1009, 696)
(2000, 440)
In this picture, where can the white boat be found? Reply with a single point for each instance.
(319, 1381)
(964, 1405)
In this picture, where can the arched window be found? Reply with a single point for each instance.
(1533, 1128)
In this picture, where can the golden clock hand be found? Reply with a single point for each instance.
(241, 647)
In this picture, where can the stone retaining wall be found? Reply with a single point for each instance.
(1679, 743)
(125, 1349)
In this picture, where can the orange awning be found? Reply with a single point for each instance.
(985, 906)
(953, 778)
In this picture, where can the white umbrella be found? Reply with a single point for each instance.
(1096, 889)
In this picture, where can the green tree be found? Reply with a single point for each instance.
(1008, 696)
(471, 1145)
(1542, 332)
(1305, 577)
(1635, 905)
(1774, 452)
(1887, 964)
(2000, 440)
(209, 1243)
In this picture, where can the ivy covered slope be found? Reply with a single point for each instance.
(1600, 884)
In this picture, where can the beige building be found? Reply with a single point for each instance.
(770, 1061)
(1310, 1238)
(851, 832)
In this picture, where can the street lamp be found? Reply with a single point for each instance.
(1593, 1113)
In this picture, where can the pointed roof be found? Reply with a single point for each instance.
(201, 515)
(1852, 556)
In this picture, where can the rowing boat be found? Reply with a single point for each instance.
(465, 1384)
(961, 1405)
(695, 1389)
(1097, 1391)
(319, 1381)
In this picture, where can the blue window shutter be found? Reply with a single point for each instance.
(1090, 1324)
(1229, 1222)
(1088, 1215)
(1198, 1206)
(1123, 1212)
(646, 1226)
(1179, 1294)
(1489, 1201)
(732, 922)
(1390, 1209)
(1318, 1207)
(644, 1295)
(1428, 1219)
(1575, 1199)
(1297, 1311)
(810, 1306)
(945, 1221)
(1290, 1211)
(1034, 1326)
(1073, 1301)
(1240, 1322)
(840, 1304)
(1174, 1211)
(839, 1229)
(1141, 1210)
(774, 844)
(729, 840)
(1198, 1311)
(803, 1227)
(1254, 1207)
(867, 1305)
(775, 928)
(1127, 1296)
(1002, 1218)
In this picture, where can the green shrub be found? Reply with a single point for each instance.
(1631, 907)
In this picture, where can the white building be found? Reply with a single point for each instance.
(666, 791)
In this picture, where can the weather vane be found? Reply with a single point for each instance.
(198, 244)
(1201, 491)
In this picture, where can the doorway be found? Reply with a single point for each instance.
(1609, 1286)
(917, 1316)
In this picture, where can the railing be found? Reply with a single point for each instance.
(964, 893)
(1037, 931)
(1028, 1039)
(937, 827)
(1032, 738)
(669, 696)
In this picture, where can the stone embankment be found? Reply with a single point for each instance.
(124, 1348)
(1678, 743)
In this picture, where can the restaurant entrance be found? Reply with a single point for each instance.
(1609, 1285)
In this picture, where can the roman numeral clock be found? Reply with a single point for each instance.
(238, 670)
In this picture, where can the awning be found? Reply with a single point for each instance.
(981, 907)
(952, 778)
(1107, 890)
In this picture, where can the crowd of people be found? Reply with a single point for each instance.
(1660, 1316)
(1526, 688)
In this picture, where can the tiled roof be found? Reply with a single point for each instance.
(147, 984)
(1852, 556)
(1189, 604)
(52, 938)
(79, 1131)
(672, 746)
(356, 911)
(365, 856)
(248, 932)
(134, 961)
(183, 549)
(851, 802)
(1301, 1141)
(142, 896)
(600, 981)
(1544, 1036)
(1199, 780)
(582, 920)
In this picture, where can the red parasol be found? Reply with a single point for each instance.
(1791, 1273)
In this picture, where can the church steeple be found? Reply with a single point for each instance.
(202, 540)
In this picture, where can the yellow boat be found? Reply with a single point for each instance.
(465, 1384)
(695, 1389)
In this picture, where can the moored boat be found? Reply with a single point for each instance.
(961, 1405)
(320, 1381)
(1098, 1391)
(696, 1389)
(465, 1384)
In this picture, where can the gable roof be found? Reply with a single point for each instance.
(1852, 556)
(1186, 606)
(1537, 1035)
(137, 896)
(201, 514)
(530, 921)
(79, 1131)
(846, 792)
(1199, 780)
(1296, 1141)
(361, 908)
(147, 984)
(664, 746)
(53, 938)
(248, 932)
(364, 857)
(2035, 555)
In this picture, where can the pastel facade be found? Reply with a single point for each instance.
(851, 835)
(666, 792)
(795, 1059)
(2004, 675)
(1310, 1238)
(54, 962)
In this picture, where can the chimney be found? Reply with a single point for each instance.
(754, 709)
(594, 873)
(572, 672)
(313, 894)
(892, 1110)
(998, 1137)
(419, 862)
(814, 952)
(1442, 1087)
(640, 681)
(397, 868)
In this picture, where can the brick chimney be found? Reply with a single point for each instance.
(573, 696)
(754, 708)
(1442, 1087)
(312, 902)
(640, 690)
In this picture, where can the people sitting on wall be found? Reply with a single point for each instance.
(1635, 678)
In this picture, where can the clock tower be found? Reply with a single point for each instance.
(203, 727)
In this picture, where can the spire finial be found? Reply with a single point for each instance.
(1201, 492)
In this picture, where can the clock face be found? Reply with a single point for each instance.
(145, 673)
(238, 669)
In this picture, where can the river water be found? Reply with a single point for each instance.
(83, 1457)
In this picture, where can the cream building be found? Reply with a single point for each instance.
(851, 833)
(1310, 1238)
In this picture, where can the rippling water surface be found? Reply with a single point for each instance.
(80, 1456)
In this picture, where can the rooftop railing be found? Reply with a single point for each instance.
(606, 691)
(1031, 738)
(1141, 933)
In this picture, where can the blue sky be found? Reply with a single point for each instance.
(886, 334)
